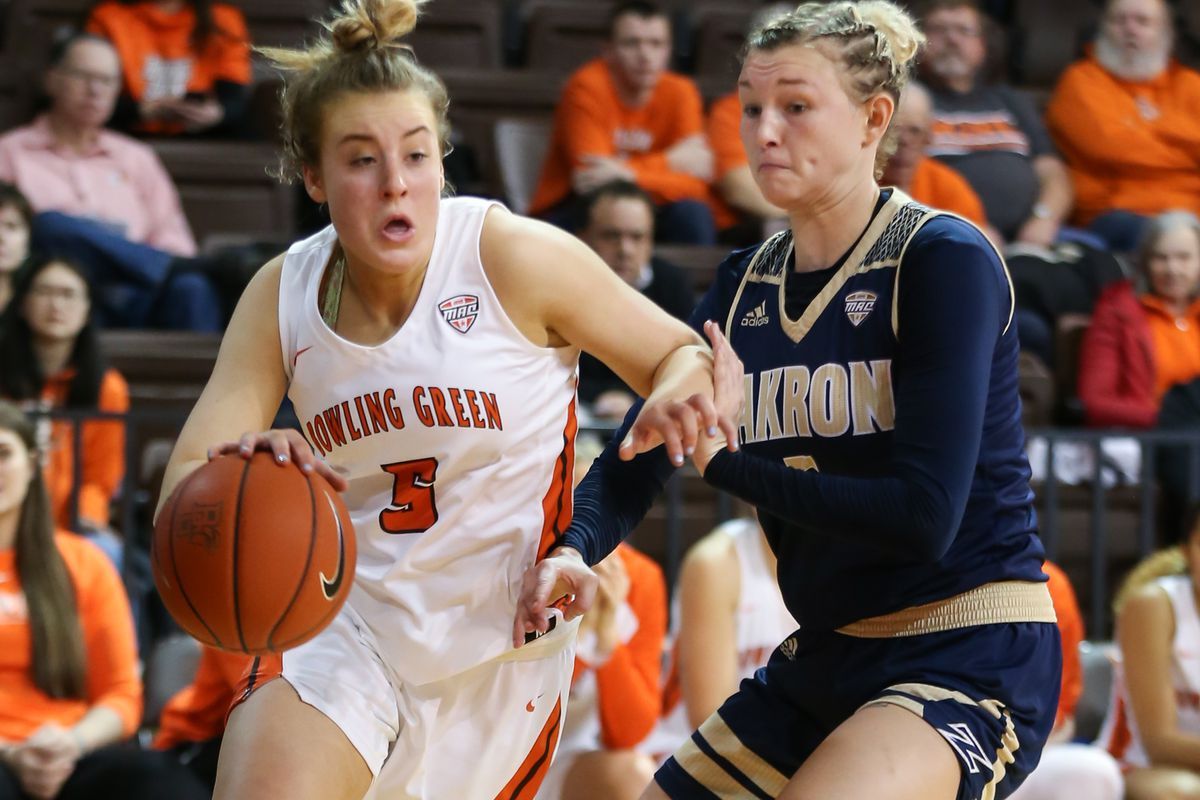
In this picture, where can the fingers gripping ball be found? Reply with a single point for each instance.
(251, 556)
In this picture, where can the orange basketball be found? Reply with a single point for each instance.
(253, 556)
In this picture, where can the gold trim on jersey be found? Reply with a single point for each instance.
(712, 776)
(1012, 292)
(989, 604)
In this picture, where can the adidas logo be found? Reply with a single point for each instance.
(757, 317)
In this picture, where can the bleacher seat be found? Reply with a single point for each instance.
(480, 97)
(282, 23)
(169, 668)
(521, 145)
(562, 35)
(225, 187)
(1047, 37)
(1097, 661)
(718, 33)
(459, 33)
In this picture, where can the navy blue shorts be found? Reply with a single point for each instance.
(990, 690)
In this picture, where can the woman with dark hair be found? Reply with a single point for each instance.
(51, 356)
(186, 63)
(69, 685)
(16, 218)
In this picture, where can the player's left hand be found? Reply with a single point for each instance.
(562, 574)
(729, 396)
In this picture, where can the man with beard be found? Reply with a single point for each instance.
(1127, 118)
(990, 133)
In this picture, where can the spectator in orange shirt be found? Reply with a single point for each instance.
(1067, 770)
(624, 116)
(16, 219)
(186, 63)
(1127, 119)
(69, 685)
(925, 179)
(193, 721)
(51, 357)
(732, 180)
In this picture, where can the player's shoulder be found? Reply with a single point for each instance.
(949, 236)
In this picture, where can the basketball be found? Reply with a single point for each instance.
(252, 556)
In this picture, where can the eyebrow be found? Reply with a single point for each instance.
(364, 137)
(781, 81)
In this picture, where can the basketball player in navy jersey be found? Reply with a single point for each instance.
(882, 445)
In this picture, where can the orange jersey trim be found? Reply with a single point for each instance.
(529, 776)
(558, 504)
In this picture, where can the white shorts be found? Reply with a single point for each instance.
(486, 733)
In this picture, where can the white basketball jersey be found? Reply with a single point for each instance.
(1119, 735)
(457, 437)
(762, 621)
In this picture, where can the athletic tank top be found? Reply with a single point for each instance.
(1119, 733)
(457, 438)
(762, 622)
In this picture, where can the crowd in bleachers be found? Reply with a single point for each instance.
(135, 196)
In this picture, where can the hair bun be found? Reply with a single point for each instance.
(900, 37)
(369, 24)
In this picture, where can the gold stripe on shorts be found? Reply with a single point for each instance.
(708, 773)
(1009, 743)
(990, 604)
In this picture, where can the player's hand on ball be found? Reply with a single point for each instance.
(561, 574)
(288, 446)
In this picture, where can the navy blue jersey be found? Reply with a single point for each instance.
(882, 439)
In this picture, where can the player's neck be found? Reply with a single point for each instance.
(378, 303)
(822, 234)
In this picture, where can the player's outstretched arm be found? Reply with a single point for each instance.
(559, 292)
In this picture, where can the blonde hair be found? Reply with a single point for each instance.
(1170, 561)
(874, 41)
(361, 51)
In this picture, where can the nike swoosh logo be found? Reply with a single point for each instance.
(330, 587)
(299, 353)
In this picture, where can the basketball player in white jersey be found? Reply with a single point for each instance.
(429, 346)
(728, 617)
(1153, 725)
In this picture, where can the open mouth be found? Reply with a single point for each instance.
(398, 227)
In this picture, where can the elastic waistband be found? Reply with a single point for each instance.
(549, 644)
(989, 604)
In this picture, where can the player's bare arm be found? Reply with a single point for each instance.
(244, 391)
(559, 292)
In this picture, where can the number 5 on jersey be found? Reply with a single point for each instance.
(413, 508)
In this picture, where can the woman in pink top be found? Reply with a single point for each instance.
(105, 201)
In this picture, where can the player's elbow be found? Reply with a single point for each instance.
(935, 521)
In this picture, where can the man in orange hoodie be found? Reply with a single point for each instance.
(625, 116)
(1127, 119)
